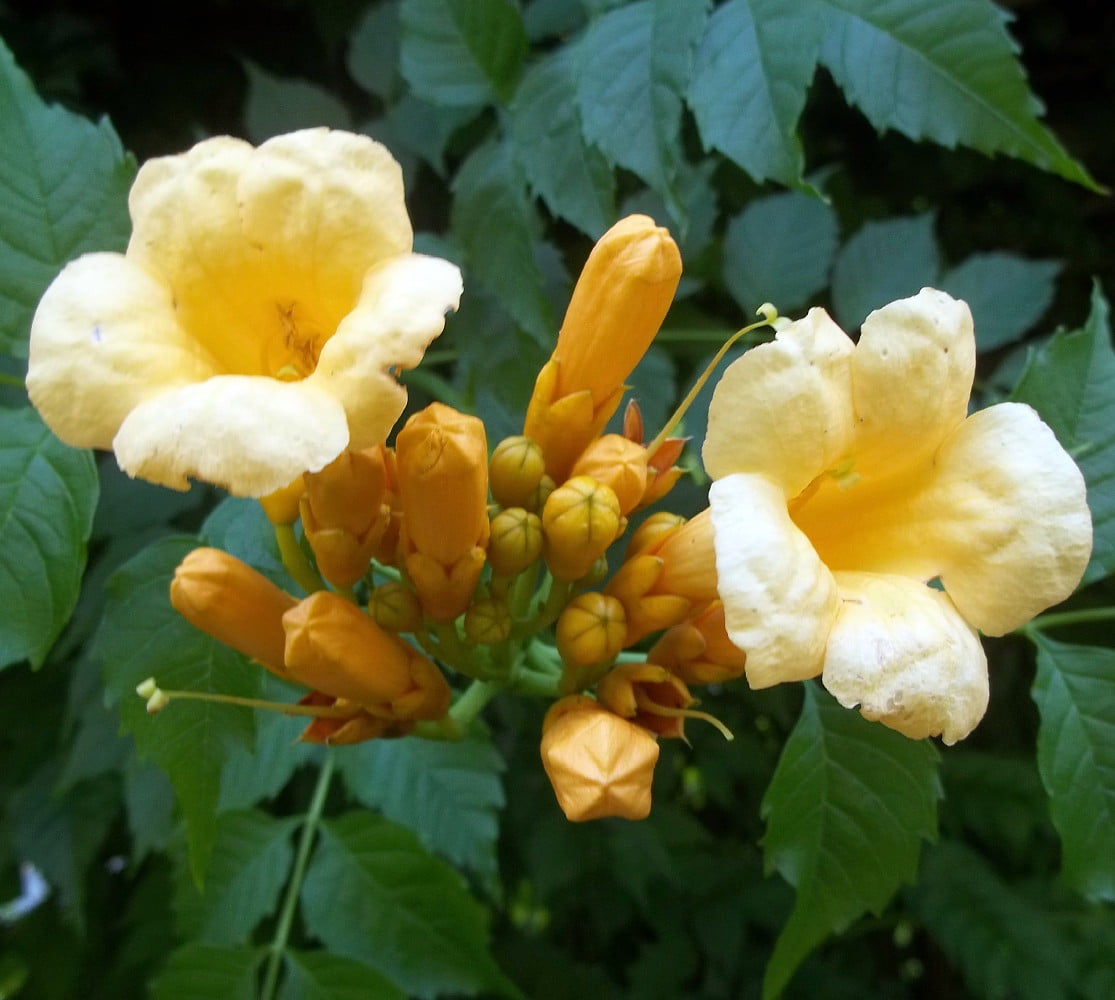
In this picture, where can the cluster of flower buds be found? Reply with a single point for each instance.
(430, 555)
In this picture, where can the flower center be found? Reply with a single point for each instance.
(291, 351)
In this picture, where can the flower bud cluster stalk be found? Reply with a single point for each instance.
(435, 573)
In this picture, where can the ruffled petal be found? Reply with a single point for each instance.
(779, 598)
(784, 409)
(251, 435)
(901, 652)
(1014, 531)
(105, 337)
(401, 310)
(912, 375)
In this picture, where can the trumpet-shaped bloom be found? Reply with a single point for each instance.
(251, 330)
(865, 527)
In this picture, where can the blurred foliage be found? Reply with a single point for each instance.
(770, 137)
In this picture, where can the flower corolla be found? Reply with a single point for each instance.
(253, 329)
(865, 526)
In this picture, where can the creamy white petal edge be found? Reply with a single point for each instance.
(250, 434)
(780, 600)
(901, 651)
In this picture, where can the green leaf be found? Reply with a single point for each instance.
(449, 794)
(884, 261)
(318, 975)
(373, 893)
(63, 191)
(779, 249)
(462, 51)
(423, 128)
(634, 66)
(373, 50)
(48, 492)
(946, 71)
(1071, 382)
(207, 972)
(1007, 294)
(752, 71)
(571, 175)
(251, 861)
(846, 811)
(498, 227)
(239, 527)
(275, 105)
(1003, 944)
(1075, 694)
(149, 804)
(141, 636)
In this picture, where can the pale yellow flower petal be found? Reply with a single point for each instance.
(105, 338)
(401, 310)
(251, 435)
(902, 652)
(779, 598)
(784, 409)
(1013, 530)
(928, 341)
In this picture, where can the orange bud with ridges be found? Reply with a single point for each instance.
(619, 464)
(333, 647)
(230, 601)
(395, 607)
(515, 540)
(515, 470)
(635, 585)
(598, 764)
(589, 634)
(580, 520)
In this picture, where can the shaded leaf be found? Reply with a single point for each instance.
(1007, 294)
(846, 811)
(239, 527)
(373, 50)
(208, 972)
(752, 71)
(63, 191)
(276, 105)
(318, 975)
(946, 71)
(141, 636)
(48, 492)
(634, 66)
(886, 260)
(373, 893)
(570, 175)
(1070, 381)
(149, 804)
(462, 51)
(449, 794)
(1075, 694)
(779, 249)
(1003, 944)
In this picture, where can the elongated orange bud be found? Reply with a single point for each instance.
(598, 764)
(229, 600)
(617, 306)
(333, 647)
(442, 465)
(688, 561)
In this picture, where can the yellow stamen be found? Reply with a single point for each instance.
(647, 704)
(158, 699)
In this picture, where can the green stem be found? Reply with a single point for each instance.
(295, 561)
(15, 381)
(294, 886)
(1061, 618)
(476, 696)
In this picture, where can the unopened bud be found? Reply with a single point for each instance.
(598, 764)
(580, 520)
(699, 651)
(619, 464)
(487, 622)
(395, 607)
(591, 630)
(229, 600)
(515, 541)
(515, 470)
(648, 609)
(653, 530)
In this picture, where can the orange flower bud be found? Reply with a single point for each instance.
(589, 631)
(599, 764)
(344, 514)
(443, 486)
(229, 600)
(653, 530)
(333, 647)
(619, 464)
(515, 541)
(281, 507)
(617, 306)
(580, 520)
(345, 731)
(395, 607)
(647, 694)
(689, 561)
(487, 622)
(515, 469)
(648, 610)
(699, 651)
